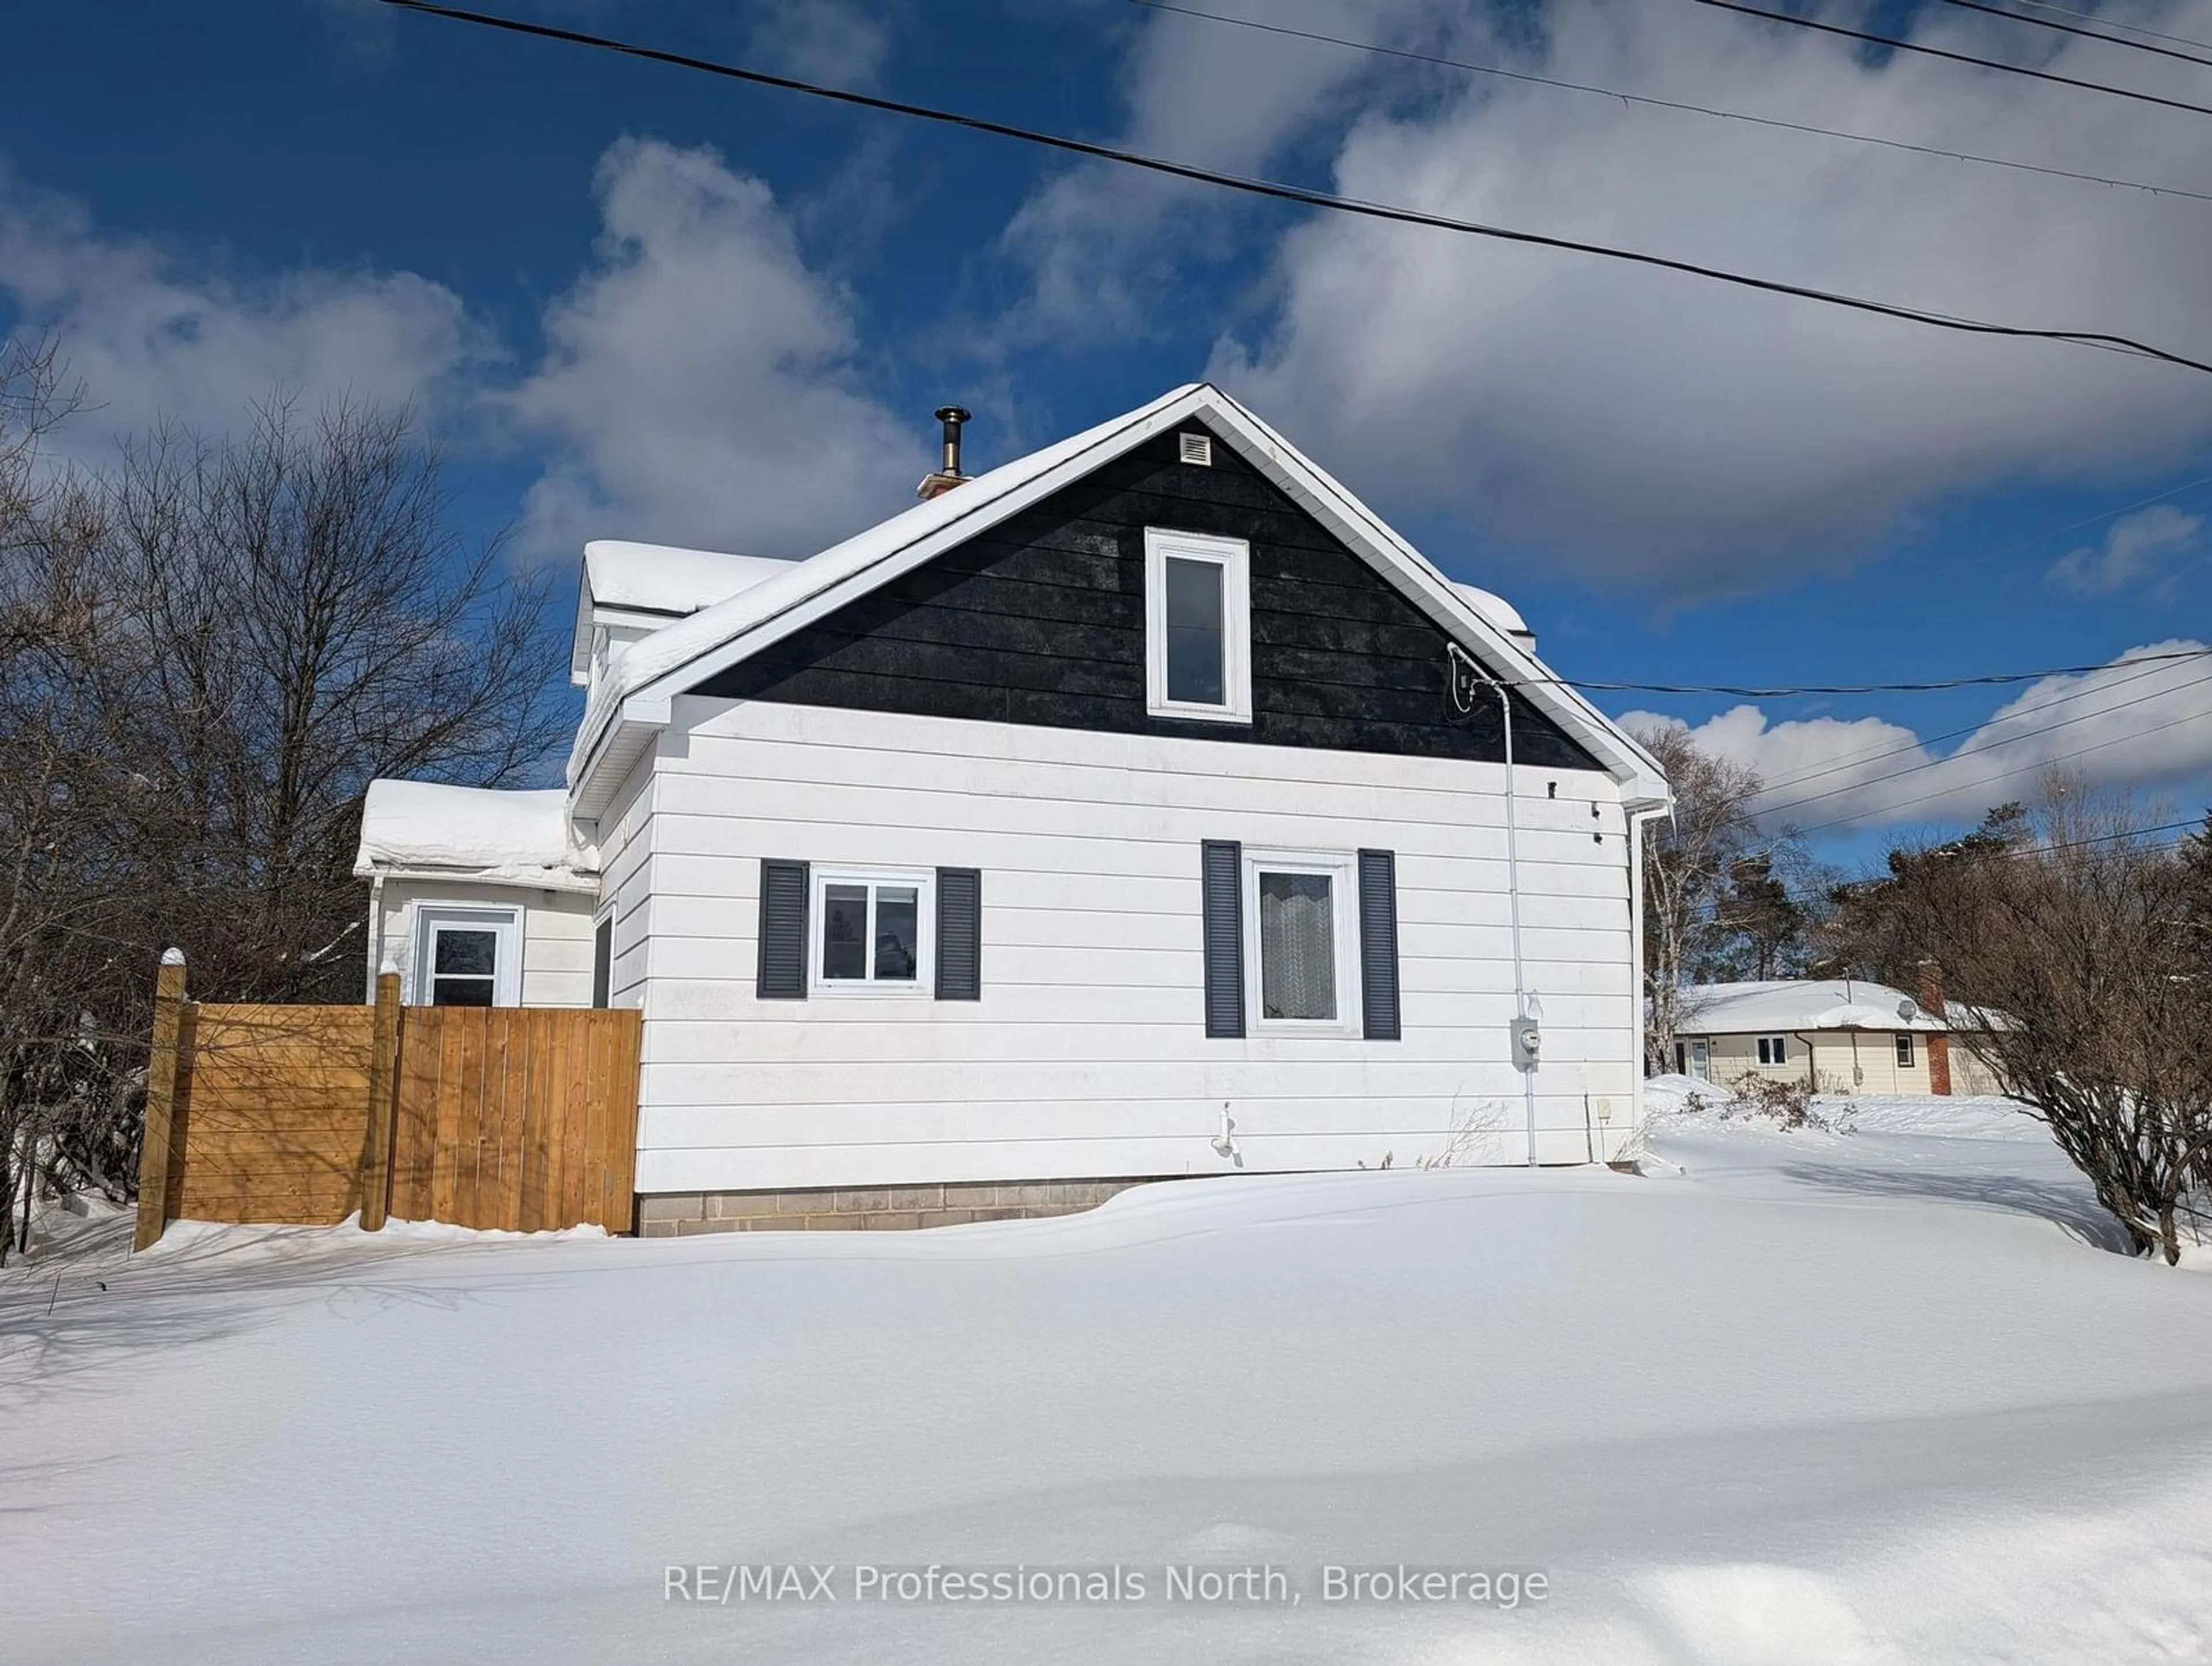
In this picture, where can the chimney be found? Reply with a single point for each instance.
(948, 474)
(1938, 1045)
(1931, 988)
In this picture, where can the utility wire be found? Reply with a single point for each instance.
(1874, 755)
(1302, 195)
(2008, 854)
(1904, 46)
(1670, 104)
(2115, 23)
(2004, 774)
(1992, 680)
(2075, 28)
(1999, 746)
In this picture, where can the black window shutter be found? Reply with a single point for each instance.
(959, 934)
(1378, 945)
(1221, 867)
(782, 931)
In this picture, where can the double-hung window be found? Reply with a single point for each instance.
(1904, 1050)
(873, 931)
(1198, 626)
(1302, 938)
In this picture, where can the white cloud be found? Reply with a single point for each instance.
(2129, 724)
(1101, 247)
(698, 384)
(1656, 429)
(2137, 548)
(841, 42)
(152, 331)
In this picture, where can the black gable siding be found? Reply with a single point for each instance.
(1041, 620)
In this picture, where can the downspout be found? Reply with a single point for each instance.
(1459, 656)
(1636, 821)
(1812, 1062)
(375, 932)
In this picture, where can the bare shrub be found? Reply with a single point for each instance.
(1789, 1105)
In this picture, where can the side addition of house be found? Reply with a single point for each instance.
(1139, 809)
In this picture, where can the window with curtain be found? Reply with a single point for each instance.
(1297, 945)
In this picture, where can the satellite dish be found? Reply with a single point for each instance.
(1907, 1010)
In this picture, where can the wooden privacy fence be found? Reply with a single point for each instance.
(521, 1118)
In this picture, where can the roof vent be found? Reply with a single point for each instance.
(1196, 448)
(948, 475)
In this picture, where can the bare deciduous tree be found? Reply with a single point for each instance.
(206, 653)
(2074, 938)
(1688, 860)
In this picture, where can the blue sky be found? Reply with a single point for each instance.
(633, 301)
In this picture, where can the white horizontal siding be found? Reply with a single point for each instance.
(1087, 1054)
(556, 933)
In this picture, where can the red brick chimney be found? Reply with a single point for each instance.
(1938, 1045)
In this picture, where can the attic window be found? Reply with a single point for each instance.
(1196, 448)
(1198, 626)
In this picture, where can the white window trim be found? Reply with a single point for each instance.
(604, 916)
(1342, 868)
(1234, 556)
(925, 980)
(1905, 1051)
(505, 921)
(1774, 1051)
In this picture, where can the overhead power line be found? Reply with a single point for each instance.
(2075, 28)
(1302, 195)
(1904, 45)
(1670, 104)
(1875, 754)
(1992, 680)
(2005, 774)
(2115, 23)
(2008, 741)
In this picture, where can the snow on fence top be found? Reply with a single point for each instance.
(519, 835)
(1786, 1004)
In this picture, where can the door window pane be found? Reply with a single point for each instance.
(1196, 673)
(464, 963)
(898, 924)
(845, 931)
(461, 992)
(471, 953)
(1297, 946)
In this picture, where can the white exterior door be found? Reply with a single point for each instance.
(1701, 1060)
(467, 957)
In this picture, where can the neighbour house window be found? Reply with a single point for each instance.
(467, 957)
(1198, 626)
(1300, 937)
(872, 931)
(1904, 1050)
(1773, 1049)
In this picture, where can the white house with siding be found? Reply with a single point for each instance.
(1837, 1035)
(1140, 809)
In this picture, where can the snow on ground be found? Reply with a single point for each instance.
(1786, 1398)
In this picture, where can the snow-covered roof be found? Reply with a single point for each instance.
(659, 578)
(522, 838)
(1496, 609)
(636, 694)
(1781, 1005)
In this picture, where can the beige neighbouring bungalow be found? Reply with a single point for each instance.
(1842, 1035)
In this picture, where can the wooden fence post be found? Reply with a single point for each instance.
(161, 1102)
(383, 1096)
